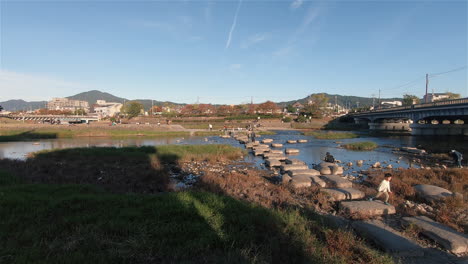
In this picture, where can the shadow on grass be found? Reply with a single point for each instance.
(28, 135)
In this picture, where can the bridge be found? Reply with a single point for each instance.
(437, 118)
(54, 118)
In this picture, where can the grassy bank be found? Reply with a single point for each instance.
(330, 135)
(362, 146)
(83, 224)
(83, 131)
(129, 169)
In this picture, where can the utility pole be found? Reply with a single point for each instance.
(427, 86)
(152, 110)
(379, 98)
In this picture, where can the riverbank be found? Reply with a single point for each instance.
(233, 213)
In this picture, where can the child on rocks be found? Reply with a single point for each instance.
(384, 188)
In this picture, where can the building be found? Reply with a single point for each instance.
(65, 104)
(432, 97)
(388, 104)
(106, 109)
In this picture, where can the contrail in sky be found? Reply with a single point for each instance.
(228, 42)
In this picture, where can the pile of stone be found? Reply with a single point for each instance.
(327, 168)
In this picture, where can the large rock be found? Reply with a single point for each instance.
(310, 172)
(344, 194)
(337, 181)
(432, 193)
(292, 141)
(285, 179)
(327, 168)
(295, 161)
(289, 167)
(276, 145)
(387, 238)
(259, 152)
(366, 208)
(413, 150)
(301, 181)
(291, 151)
(274, 156)
(302, 141)
(337, 170)
(325, 171)
(445, 236)
(267, 140)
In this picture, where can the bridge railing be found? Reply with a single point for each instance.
(423, 105)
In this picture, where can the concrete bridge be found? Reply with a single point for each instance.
(437, 118)
(54, 118)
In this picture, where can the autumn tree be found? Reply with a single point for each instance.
(155, 109)
(225, 110)
(409, 99)
(267, 107)
(453, 95)
(132, 109)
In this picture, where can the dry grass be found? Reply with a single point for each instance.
(451, 211)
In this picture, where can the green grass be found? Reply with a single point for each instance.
(265, 133)
(208, 133)
(62, 132)
(330, 135)
(365, 145)
(83, 224)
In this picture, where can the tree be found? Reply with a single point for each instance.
(1, 108)
(409, 99)
(79, 112)
(155, 109)
(132, 109)
(317, 105)
(451, 96)
(291, 109)
(267, 108)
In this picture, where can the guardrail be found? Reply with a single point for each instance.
(418, 106)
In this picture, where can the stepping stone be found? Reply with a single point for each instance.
(249, 145)
(445, 236)
(301, 181)
(316, 180)
(337, 181)
(261, 147)
(291, 151)
(413, 150)
(289, 167)
(432, 193)
(259, 152)
(276, 145)
(272, 163)
(267, 140)
(310, 172)
(302, 141)
(291, 141)
(344, 194)
(285, 179)
(273, 155)
(388, 239)
(366, 208)
(225, 136)
(295, 161)
(276, 151)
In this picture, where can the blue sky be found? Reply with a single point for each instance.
(228, 51)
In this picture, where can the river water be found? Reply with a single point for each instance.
(311, 152)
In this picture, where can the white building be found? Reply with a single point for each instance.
(106, 109)
(388, 104)
(432, 97)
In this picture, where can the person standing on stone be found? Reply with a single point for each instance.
(384, 188)
(329, 158)
(253, 136)
(457, 156)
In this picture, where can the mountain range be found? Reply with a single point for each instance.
(92, 96)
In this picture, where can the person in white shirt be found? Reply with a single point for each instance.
(384, 188)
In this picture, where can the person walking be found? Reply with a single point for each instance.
(384, 188)
(457, 157)
(210, 126)
(253, 136)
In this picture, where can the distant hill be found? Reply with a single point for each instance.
(21, 105)
(344, 100)
(92, 96)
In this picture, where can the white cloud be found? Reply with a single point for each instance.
(35, 87)
(233, 26)
(255, 39)
(296, 4)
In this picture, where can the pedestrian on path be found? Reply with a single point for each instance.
(457, 156)
(384, 188)
(210, 126)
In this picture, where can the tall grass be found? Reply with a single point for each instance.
(361, 146)
(330, 135)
